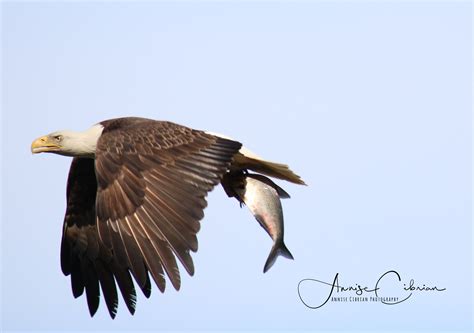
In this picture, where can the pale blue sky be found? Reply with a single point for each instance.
(369, 102)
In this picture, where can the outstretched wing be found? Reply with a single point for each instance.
(152, 180)
(83, 256)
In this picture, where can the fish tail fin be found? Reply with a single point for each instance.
(279, 249)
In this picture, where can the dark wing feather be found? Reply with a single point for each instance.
(145, 195)
(152, 181)
(83, 255)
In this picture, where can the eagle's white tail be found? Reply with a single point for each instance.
(271, 169)
(246, 159)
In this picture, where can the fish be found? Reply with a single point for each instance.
(262, 197)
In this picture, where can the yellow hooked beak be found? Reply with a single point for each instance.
(44, 144)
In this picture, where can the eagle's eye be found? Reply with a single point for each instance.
(58, 138)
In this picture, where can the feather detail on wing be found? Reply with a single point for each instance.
(151, 179)
(83, 256)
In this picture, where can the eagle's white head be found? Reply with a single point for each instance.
(69, 143)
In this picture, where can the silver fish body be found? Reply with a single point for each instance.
(262, 197)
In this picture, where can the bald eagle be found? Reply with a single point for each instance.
(135, 195)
